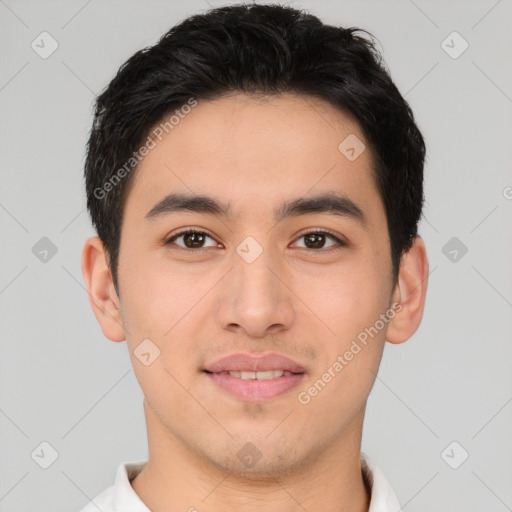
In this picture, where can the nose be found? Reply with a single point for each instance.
(255, 298)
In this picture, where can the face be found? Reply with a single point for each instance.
(303, 285)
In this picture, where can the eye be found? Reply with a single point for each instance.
(315, 239)
(195, 239)
(192, 239)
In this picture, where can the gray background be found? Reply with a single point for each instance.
(63, 383)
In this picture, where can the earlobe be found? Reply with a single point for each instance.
(410, 292)
(100, 289)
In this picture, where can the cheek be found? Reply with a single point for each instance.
(351, 354)
(167, 304)
(155, 313)
(156, 295)
(346, 299)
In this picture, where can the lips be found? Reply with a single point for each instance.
(264, 375)
(243, 362)
(255, 378)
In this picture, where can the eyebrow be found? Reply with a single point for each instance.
(330, 203)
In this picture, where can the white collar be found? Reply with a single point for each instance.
(383, 497)
(125, 499)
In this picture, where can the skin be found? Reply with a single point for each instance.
(306, 303)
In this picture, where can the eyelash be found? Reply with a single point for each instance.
(340, 242)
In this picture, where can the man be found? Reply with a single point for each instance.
(256, 182)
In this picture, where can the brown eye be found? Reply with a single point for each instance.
(317, 240)
(192, 239)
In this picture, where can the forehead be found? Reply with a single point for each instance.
(244, 149)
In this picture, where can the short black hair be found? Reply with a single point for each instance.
(268, 49)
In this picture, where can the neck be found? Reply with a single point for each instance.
(177, 478)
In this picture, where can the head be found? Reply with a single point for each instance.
(302, 168)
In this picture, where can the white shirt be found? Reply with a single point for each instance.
(121, 497)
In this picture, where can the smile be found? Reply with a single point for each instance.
(262, 375)
(261, 386)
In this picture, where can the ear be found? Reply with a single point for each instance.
(100, 287)
(410, 292)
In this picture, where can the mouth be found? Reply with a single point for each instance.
(256, 386)
(262, 375)
(255, 379)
